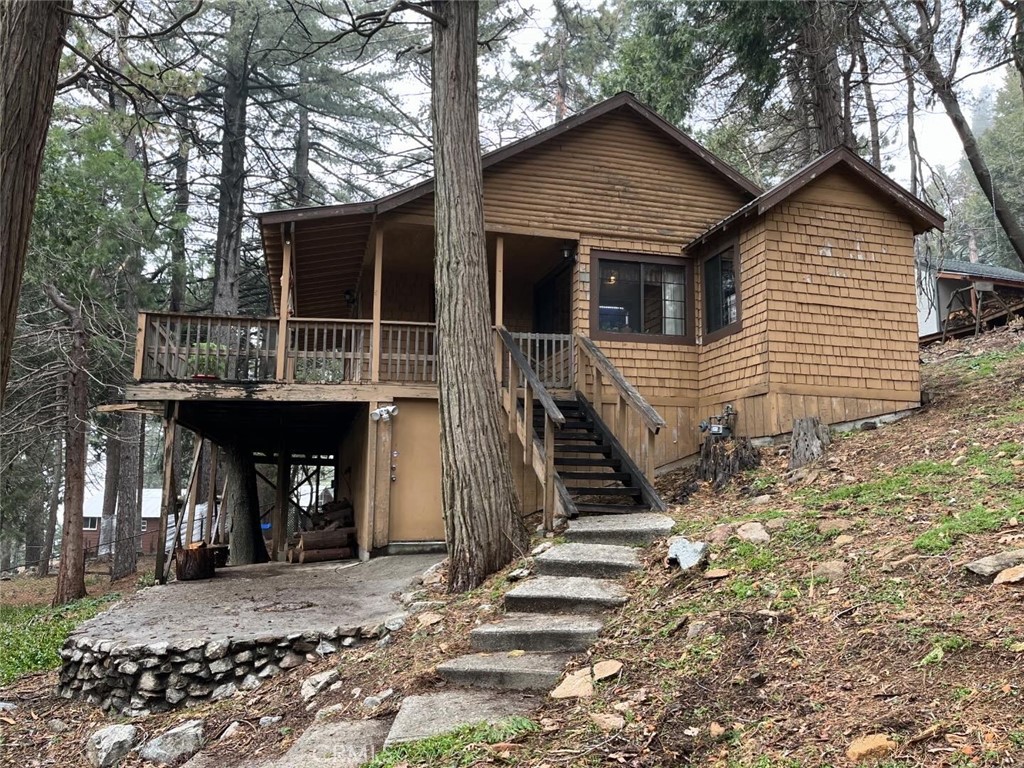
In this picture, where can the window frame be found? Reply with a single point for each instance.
(689, 311)
(710, 337)
(86, 527)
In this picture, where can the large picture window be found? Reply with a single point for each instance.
(637, 297)
(721, 292)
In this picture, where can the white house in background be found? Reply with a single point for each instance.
(955, 286)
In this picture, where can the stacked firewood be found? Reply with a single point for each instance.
(331, 535)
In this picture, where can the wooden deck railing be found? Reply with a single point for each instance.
(551, 355)
(519, 377)
(598, 369)
(183, 347)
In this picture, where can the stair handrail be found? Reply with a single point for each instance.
(651, 417)
(518, 364)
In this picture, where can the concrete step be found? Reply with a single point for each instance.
(537, 632)
(432, 714)
(568, 594)
(599, 561)
(596, 508)
(525, 672)
(634, 530)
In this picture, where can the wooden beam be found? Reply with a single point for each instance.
(140, 346)
(168, 494)
(378, 268)
(277, 392)
(284, 305)
(382, 486)
(499, 281)
(193, 489)
(278, 539)
(211, 495)
(369, 485)
(549, 473)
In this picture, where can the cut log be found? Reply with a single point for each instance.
(194, 563)
(320, 555)
(309, 540)
(722, 459)
(809, 441)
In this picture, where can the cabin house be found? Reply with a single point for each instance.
(639, 285)
(92, 513)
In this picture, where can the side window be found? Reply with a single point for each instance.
(721, 291)
(640, 298)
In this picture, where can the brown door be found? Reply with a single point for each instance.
(416, 458)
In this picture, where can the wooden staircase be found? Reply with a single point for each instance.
(598, 475)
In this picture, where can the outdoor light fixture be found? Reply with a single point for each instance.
(613, 278)
(350, 298)
(568, 249)
(384, 413)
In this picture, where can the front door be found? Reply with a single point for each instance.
(552, 301)
(416, 487)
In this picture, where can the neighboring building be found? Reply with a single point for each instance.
(92, 512)
(647, 284)
(959, 289)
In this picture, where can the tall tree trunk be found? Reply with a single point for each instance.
(182, 197)
(242, 505)
(483, 526)
(126, 538)
(231, 187)
(111, 475)
(300, 170)
(51, 520)
(30, 45)
(869, 103)
(912, 148)
(71, 575)
(819, 40)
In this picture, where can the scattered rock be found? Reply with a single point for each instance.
(608, 722)
(519, 574)
(250, 683)
(56, 725)
(433, 575)
(958, 461)
(869, 747)
(541, 548)
(394, 623)
(721, 533)
(312, 685)
(7, 706)
(776, 524)
(687, 554)
(764, 498)
(371, 631)
(843, 539)
(428, 619)
(754, 533)
(385, 641)
(233, 729)
(176, 745)
(988, 567)
(291, 660)
(830, 570)
(348, 642)
(697, 629)
(716, 730)
(225, 691)
(1010, 575)
(426, 605)
(108, 746)
(372, 702)
(608, 668)
(717, 573)
(269, 720)
(217, 649)
(325, 648)
(834, 525)
(578, 685)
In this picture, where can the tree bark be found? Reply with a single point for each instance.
(126, 535)
(231, 187)
(819, 39)
(182, 197)
(483, 525)
(875, 141)
(71, 574)
(242, 504)
(111, 475)
(51, 521)
(30, 46)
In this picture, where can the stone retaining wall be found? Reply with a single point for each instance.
(139, 680)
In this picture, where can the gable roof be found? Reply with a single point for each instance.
(623, 100)
(968, 269)
(923, 216)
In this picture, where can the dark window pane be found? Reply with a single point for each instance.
(720, 291)
(641, 298)
(619, 297)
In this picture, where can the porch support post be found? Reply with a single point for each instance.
(378, 265)
(382, 486)
(279, 538)
(499, 298)
(284, 307)
(168, 496)
(211, 495)
(549, 473)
